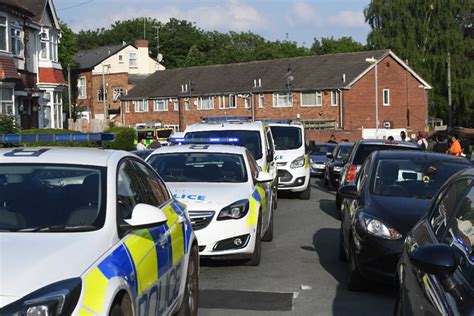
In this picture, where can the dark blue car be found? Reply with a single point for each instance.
(334, 163)
(317, 155)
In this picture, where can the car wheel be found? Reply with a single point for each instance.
(189, 306)
(122, 308)
(306, 194)
(257, 251)
(275, 198)
(355, 281)
(268, 236)
(342, 252)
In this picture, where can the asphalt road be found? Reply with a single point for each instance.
(300, 273)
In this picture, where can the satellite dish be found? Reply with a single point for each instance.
(291, 78)
(159, 57)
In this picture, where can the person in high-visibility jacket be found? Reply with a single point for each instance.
(455, 148)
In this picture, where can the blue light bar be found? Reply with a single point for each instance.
(226, 118)
(212, 140)
(56, 138)
(277, 121)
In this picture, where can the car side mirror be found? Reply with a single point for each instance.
(349, 191)
(270, 156)
(329, 155)
(144, 216)
(436, 259)
(263, 177)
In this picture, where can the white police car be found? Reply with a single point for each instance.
(91, 232)
(229, 200)
(291, 158)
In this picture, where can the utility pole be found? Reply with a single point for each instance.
(157, 42)
(69, 90)
(144, 28)
(450, 105)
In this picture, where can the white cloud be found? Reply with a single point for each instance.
(348, 19)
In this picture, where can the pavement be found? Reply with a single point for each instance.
(300, 273)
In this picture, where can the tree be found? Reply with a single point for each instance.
(330, 45)
(424, 32)
(67, 46)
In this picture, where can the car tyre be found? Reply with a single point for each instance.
(189, 306)
(306, 194)
(356, 281)
(122, 308)
(257, 252)
(268, 236)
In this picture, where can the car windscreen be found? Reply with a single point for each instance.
(163, 133)
(286, 137)
(322, 149)
(147, 134)
(249, 139)
(51, 198)
(199, 167)
(343, 152)
(413, 178)
(364, 150)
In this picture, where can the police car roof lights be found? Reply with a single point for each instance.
(56, 138)
(211, 140)
(226, 119)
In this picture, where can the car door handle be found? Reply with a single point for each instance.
(181, 219)
(163, 241)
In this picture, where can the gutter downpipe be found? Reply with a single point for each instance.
(341, 121)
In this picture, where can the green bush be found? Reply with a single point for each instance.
(7, 124)
(124, 138)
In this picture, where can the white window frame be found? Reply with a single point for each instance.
(120, 59)
(7, 37)
(223, 102)
(247, 102)
(386, 100)
(334, 98)
(232, 101)
(117, 92)
(16, 39)
(261, 100)
(100, 95)
(130, 59)
(127, 106)
(208, 106)
(160, 105)
(141, 106)
(187, 104)
(57, 108)
(82, 89)
(44, 40)
(175, 104)
(318, 99)
(7, 105)
(277, 97)
(53, 47)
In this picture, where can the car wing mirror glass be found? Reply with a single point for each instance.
(349, 191)
(436, 259)
(144, 216)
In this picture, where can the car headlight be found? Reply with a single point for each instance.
(56, 299)
(337, 169)
(378, 228)
(234, 211)
(297, 163)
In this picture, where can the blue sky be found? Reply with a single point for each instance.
(302, 20)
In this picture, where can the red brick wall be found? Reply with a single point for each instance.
(323, 135)
(50, 75)
(406, 99)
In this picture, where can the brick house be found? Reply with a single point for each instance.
(330, 92)
(119, 67)
(31, 78)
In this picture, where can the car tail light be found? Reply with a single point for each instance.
(351, 173)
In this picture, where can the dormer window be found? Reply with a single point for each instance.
(16, 40)
(44, 37)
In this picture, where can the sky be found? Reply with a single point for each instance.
(295, 20)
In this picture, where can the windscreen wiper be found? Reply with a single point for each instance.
(59, 228)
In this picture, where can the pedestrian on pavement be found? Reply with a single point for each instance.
(332, 139)
(141, 144)
(155, 144)
(422, 141)
(455, 148)
(441, 146)
(403, 136)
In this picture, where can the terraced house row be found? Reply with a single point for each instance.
(329, 92)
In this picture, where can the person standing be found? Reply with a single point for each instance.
(141, 144)
(403, 136)
(455, 148)
(332, 139)
(422, 141)
(441, 146)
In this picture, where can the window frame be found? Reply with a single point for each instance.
(44, 40)
(115, 91)
(79, 96)
(157, 108)
(127, 106)
(6, 104)
(100, 95)
(246, 102)
(334, 98)
(261, 100)
(386, 101)
(187, 104)
(175, 102)
(144, 104)
(18, 38)
(210, 104)
(130, 59)
(317, 95)
(232, 101)
(7, 37)
(277, 96)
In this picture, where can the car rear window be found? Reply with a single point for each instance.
(365, 150)
(286, 137)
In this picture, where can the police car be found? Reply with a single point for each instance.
(91, 232)
(229, 200)
(291, 157)
(255, 136)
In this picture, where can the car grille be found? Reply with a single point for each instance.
(281, 164)
(284, 176)
(200, 219)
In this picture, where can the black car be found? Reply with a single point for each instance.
(317, 155)
(361, 150)
(393, 190)
(143, 153)
(334, 163)
(436, 271)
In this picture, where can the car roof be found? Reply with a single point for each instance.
(417, 154)
(322, 143)
(60, 155)
(211, 148)
(289, 124)
(225, 126)
(345, 144)
(387, 142)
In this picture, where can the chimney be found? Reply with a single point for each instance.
(143, 56)
(140, 43)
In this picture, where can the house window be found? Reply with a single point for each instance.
(53, 47)
(3, 33)
(16, 41)
(81, 87)
(386, 96)
(160, 105)
(120, 58)
(6, 100)
(141, 106)
(127, 106)
(175, 104)
(132, 59)
(334, 95)
(311, 98)
(222, 102)
(206, 103)
(246, 102)
(117, 93)
(186, 104)
(57, 108)
(232, 101)
(261, 100)
(282, 100)
(44, 37)
(100, 95)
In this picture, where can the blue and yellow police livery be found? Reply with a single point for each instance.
(98, 234)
